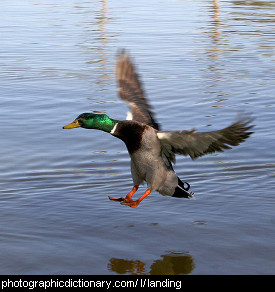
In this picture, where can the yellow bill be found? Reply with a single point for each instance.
(74, 124)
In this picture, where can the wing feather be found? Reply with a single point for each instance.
(196, 144)
(130, 91)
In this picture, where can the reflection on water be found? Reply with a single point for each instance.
(171, 264)
(216, 39)
(216, 30)
(95, 38)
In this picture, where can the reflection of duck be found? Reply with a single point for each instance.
(170, 264)
(153, 151)
(122, 266)
(173, 264)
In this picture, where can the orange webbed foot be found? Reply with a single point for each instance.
(134, 204)
(128, 199)
(117, 199)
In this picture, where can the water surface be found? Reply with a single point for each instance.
(201, 62)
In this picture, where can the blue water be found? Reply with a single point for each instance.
(201, 62)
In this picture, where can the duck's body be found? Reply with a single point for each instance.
(147, 163)
(151, 150)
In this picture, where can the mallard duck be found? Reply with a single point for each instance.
(152, 151)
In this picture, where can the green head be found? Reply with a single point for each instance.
(92, 121)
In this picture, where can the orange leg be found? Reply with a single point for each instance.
(128, 198)
(134, 204)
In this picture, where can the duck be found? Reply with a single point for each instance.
(153, 151)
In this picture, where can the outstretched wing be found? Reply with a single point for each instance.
(130, 91)
(196, 144)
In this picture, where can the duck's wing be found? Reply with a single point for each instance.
(130, 91)
(196, 144)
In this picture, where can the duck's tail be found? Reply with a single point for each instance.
(181, 190)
